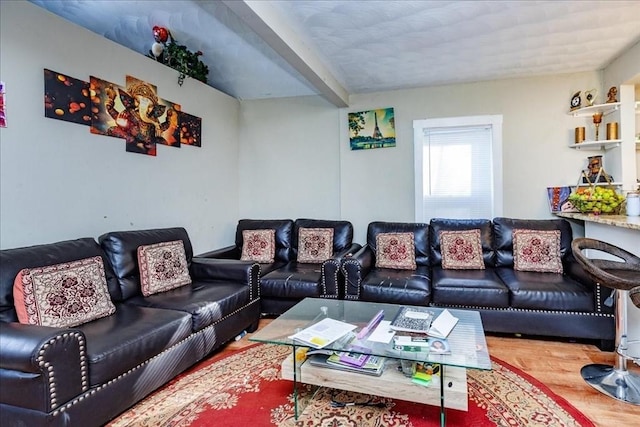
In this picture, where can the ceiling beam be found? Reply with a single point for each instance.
(262, 18)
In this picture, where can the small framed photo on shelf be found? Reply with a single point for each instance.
(559, 199)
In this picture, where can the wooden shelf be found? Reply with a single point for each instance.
(613, 184)
(605, 109)
(597, 145)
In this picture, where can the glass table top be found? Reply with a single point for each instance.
(466, 340)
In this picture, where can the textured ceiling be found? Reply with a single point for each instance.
(368, 46)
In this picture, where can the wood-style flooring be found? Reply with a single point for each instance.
(557, 365)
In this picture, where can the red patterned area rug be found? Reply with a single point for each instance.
(244, 389)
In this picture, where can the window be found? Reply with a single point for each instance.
(458, 167)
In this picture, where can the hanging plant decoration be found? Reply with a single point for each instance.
(177, 56)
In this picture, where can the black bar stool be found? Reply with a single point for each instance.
(622, 275)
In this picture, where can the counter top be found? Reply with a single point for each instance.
(631, 222)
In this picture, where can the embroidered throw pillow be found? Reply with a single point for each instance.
(395, 250)
(163, 266)
(537, 250)
(461, 250)
(315, 245)
(62, 295)
(258, 245)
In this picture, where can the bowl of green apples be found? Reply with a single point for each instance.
(597, 199)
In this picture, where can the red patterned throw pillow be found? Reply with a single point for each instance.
(315, 245)
(537, 250)
(258, 245)
(62, 295)
(163, 266)
(461, 250)
(395, 250)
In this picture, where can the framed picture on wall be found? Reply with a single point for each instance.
(372, 129)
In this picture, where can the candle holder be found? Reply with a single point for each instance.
(597, 119)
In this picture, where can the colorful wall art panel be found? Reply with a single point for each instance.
(133, 112)
(372, 129)
(190, 129)
(66, 98)
(3, 106)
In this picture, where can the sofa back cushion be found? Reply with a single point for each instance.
(503, 232)
(438, 225)
(283, 235)
(121, 248)
(420, 237)
(342, 233)
(12, 261)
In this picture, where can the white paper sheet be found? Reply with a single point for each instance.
(382, 333)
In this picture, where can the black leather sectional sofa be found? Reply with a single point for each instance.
(286, 281)
(568, 304)
(87, 374)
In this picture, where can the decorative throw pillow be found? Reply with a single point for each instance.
(258, 245)
(62, 295)
(315, 245)
(163, 266)
(537, 250)
(461, 250)
(395, 250)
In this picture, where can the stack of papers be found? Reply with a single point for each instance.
(323, 333)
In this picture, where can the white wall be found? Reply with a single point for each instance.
(290, 159)
(58, 181)
(378, 184)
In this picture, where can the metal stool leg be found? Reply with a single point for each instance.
(616, 382)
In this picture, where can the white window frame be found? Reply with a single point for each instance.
(494, 121)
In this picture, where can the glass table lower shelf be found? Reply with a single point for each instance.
(448, 389)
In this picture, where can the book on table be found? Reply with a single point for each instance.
(371, 365)
(412, 319)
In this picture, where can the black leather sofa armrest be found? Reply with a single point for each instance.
(246, 272)
(333, 280)
(41, 367)
(355, 268)
(229, 252)
(573, 269)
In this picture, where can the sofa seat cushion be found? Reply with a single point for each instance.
(206, 301)
(469, 287)
(394, 286)
(295, 280)
(130, 336)
(546, 291)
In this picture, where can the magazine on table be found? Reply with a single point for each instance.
(323, 333)
(374, 365)
(412, 319)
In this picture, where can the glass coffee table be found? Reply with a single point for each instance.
(466, 340)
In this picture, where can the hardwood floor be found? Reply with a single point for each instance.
(557, 365)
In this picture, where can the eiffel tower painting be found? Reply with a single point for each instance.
(372, 129)
(376, 131)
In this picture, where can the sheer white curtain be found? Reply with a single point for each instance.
(458, 168)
